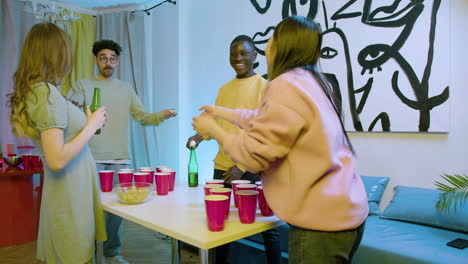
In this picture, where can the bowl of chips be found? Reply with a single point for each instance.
(133, 193)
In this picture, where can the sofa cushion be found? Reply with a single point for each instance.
(375, 187)
(417, 205)
(389, 241)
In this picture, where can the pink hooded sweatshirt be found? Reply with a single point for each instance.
(296, 142)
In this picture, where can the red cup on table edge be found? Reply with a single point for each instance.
(247, 206)
(107, 179)
(140, 178)
(258, 183)
(210, 186)
(150, 177)
(234, 184)
(162, 182)
(125, 176)
(172, 177)
(265, 209)
(215, 208)
(215, 181)
(226, 192)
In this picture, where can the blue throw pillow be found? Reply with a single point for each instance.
(375, 186)
(417, 205)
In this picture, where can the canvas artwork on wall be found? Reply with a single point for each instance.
(388, 61)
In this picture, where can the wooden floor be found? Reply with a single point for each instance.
(139, 246)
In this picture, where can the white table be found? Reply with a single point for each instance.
(181, 215)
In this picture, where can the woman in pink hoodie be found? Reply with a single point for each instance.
(297, 142)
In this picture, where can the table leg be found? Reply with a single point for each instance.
(175, 251)
(99, 252)
(206, 256)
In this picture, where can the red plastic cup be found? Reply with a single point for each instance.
(215, 207)
(211, 186)
(27, 162)
(125, 176)
(172, 177)
(150, 177)
(140, 178)
(258, 183)
(162, 182)
(265, 209)
(159, 168)
(214, 182)
(234, 189)
(35, 162)
(226, 192)
(107, 179)
(145, 168)
(127, 170)
(247, 206)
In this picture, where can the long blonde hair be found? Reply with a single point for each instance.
(46, 56)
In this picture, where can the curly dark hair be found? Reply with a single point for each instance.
(106, 44)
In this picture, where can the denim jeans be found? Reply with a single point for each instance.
(312, 246)
(271, 239)
(111, 247)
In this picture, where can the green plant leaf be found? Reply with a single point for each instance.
(454, 194)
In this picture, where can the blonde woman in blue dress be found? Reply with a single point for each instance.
(71, 216)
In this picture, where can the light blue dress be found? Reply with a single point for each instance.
(71, 216)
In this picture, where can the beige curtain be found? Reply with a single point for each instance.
(82, 32)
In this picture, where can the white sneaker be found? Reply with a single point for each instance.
(116, 260)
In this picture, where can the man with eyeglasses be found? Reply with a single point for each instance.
(110, 148)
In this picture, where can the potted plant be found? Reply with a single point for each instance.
(454, 194)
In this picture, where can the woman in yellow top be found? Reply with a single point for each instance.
(71, 216)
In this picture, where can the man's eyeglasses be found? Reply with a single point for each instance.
(104, 59)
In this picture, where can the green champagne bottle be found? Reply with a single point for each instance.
(192, 168)
(96, 104)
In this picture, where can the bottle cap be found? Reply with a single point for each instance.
(192, 143)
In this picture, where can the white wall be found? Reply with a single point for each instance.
(164, 51)
(205, 29)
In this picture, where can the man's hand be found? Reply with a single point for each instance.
(196, 138)
(168, 113)
(234, 173)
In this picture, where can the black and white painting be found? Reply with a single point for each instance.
(386, 59)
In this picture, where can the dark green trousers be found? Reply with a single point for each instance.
(321, 247)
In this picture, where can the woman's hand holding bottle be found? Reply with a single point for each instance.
(96, 119)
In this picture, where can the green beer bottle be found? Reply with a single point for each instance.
(96, 104)
(192, 167)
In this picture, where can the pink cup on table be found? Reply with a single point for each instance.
(159, 168)
(265, 209)
(140, 178)
(244, 186)
(215, 207)
(214, 182)
(247, 206)
(210, 186)
(162, 182)
(172, 177)
(234, 184)
(225, 192)
(150, 177)
(107, 179)
(125, 176)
